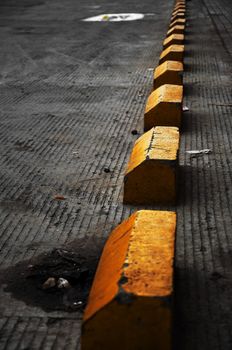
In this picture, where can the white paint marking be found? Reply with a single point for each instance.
(201, 151)
(115, 17)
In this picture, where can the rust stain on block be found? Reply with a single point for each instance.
(172, 53)
(164, 107)
(173, 39)
(177, 29)
(169, 72)
(130, 303)
(178, 21)
(152, 169)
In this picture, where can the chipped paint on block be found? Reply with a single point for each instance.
(130, 303)
(173, 39)
(172, 53)
(169, 72)
(152, 169)
(164, 107)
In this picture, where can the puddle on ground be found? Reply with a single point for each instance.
(75, 264)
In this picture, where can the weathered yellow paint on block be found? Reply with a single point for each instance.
(172, 53)
(178, 16)
(176, 11)
(130, 303)
(164, 107)
(179, 6)
(177, 29)
(152, 169)
(178, 21)
(169, 72)
(173, 39)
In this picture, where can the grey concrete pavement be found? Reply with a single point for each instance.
(71, 93)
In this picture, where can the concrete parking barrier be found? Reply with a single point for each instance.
(164, 107)
(152, 169)
(178, 16)
(173, 39)
(130, 303)
(169, 72)
(177, 29)
(180, 21)
(172, 53)
(180, 3)
(179, 7)
(176, 11)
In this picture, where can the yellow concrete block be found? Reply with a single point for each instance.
(164, 107)
(178, 21)
(172, 53)
(173, 39)
(169, 72)
(179, 6)
(177, 29)
(177, 16)
(130, 303)
(176, 11)
(152, 169)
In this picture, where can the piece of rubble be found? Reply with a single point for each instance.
(63, 283)
(49, 283)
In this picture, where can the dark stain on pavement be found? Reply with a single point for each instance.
(75, 264)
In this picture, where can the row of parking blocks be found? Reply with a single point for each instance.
(130, 302)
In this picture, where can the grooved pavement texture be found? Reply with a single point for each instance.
(71, 93)
(204, 241)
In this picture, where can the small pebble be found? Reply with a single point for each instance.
(49, 283)
(63, 283)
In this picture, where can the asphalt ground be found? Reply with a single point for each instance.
(72, 96)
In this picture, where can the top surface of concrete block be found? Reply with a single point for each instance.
(173, 39)
(168, 66)
(164, 107)
(173, 53)
(137, 250)
(159, 143)
(165, 93)
(177, 29)
(178, 21)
